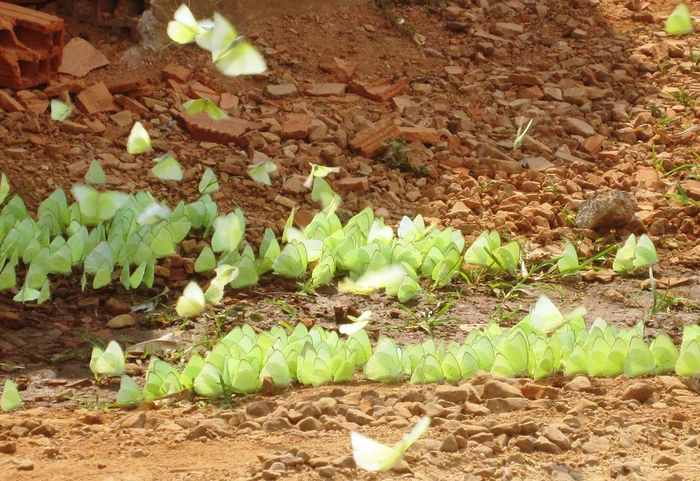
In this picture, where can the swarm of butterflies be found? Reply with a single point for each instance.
(231, 54)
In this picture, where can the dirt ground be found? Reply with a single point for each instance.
(597, 77)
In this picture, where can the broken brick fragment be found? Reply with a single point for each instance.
(96, 98)
(200, 91)
(225, 131)
(9, 104)
(424, 135)
(325, 89)
(341, 69)
(228, 101)
(380, 90)
(64, 84)
(32, 101)
(176, 72)
(32, 45)
(80, 58)
(369, 140)
(296, 126)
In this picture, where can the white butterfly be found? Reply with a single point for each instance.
(371, 455)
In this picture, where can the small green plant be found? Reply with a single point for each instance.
(429, 317)
(681, 196)
(683, 97)
(395, 157)
(694, 57)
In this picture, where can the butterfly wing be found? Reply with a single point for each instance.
(371, 455)
(139, 141)
(241, 59)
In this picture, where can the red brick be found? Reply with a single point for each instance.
(326, 89)
(25, 65)
(228, 101)
(530, 93)
(62, 84)
(201, 127)
(130, 104)
(9, 104)
(176, 72)
(341, 69)
(370, 140)
(592, 145)
(692, 187)
(357, 184)
(80, 57)
(96, 98)
(199, 90)
(296, 126)
(32, 101)
(424, 135)
(380, 90)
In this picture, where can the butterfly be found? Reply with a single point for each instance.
(194, 107)
(129, 393)
(679, 22)
(95, 175)
(184, 28)
(231, 54)
(209, 183)
(10, 399)
(139, 141)
(108, 362)
(260, 172)
(192, 301)
(167, 168)
(60, 111)
(371, 455)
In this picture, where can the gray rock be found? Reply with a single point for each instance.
(578, 127)
(281, 90)
(665, 460)
(578, 384)
(25, 465)
(606, 209)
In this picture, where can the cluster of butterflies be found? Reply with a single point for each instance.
(231, 54)
(105, 230)
(543, 343)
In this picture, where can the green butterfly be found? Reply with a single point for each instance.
(60, 111)
(129, 392)
(139, 141)
(109, 362)
(192, 301)
(639, 360)
(10, 399)
(209, 183)
(385, 363)
(319, 171)
(167, 168)
(194, 107)
(568, 261)
(276, 369)
(228, 232)
(635, 254)
(185, 28)
(260, 172)
(679, 22)
(95, 175)
(665, 354)
(231, 54)
(292, 261)
(97, 206)
(688, 363)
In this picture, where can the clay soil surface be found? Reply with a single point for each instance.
(613, 103)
